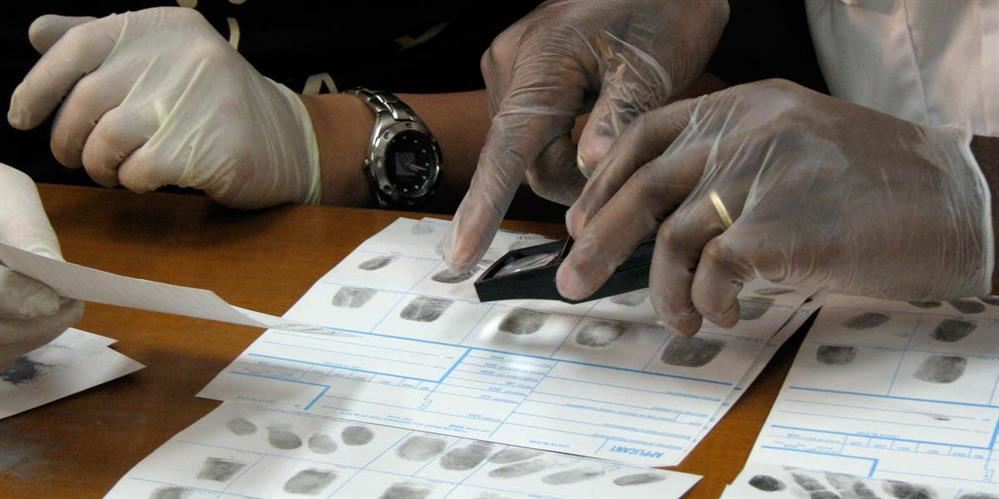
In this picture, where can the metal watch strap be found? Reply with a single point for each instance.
(385, 103)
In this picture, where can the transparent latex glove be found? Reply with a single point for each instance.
(157, 97)
(546, 69)
(823, 194)
(31, 313)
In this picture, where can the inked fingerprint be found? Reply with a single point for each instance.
(513, 454)
(925, 304)
(520, 469)
(806, 482)
(967, 306)
(840, 481)
(691, 351)
(309, 482)
(600, 334)
(321, 443)
(953, 330)
(407, 490)
(638, 479)
(941, 369)
(357, 435)
(990, 300)
(22, 371)
(572, 476)
(521, 321)
(217, 469)
(862, 491)
(867, 320)
(350, 297)
(467, 457)
(376, 263)
(824, 494)
(280, 437)
(425, 309)
(241, 426)
(448, 276)
(421, 229)
(421, 447)
(832, 355)
(170, 493)
(905, 490)
(632, 299)
(753, 307)
(767, 483)
(773, 291)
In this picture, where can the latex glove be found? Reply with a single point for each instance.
(823, 194)
(158, 97)
(31, 313)
(542, 72)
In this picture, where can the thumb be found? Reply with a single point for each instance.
(46, 30)
(23, 223)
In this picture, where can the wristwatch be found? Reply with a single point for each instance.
(404, 160)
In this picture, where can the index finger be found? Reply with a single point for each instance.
(79, 52)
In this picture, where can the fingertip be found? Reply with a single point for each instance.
(575, 220)
(15, 113)
(594, 144)
(570, 283)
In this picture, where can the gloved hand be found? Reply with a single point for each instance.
(542, 72)
(823, 194)
(31, 313)
(158, 97)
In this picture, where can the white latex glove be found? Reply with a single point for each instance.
(31, 313)
(157, 97)
(631, 56)
(823, 194)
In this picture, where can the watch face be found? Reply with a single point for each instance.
(411, 162)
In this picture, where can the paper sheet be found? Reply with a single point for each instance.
(417, 350)
(774, 481)
(244, 450)
(83, 283)
(892, 390)
(73, 362)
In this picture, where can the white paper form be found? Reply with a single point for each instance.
(83, 283)
(71, 363)
(598, 379)
(244, 450)
(774, 481)
(893, 390)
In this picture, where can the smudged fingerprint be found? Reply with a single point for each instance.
(490, 495)
(448, 276)
(833, 355)
(862, 491)
(952, 330)
(421, 447)
(806, 482)
(351, 297)
(569, 477)
(600, 334)
(24, 370)
(990, 300)
(766, 483)
(425, 309)
(867, 320)
(691, 351)
(513, 454)
(281, 437)
(638, 479)
(170, 493)
(941, 369)
(521, 321)
(840, 481)
(309, 482)
(241, 426)
(967, 306)
(357, 435)
(906, 490)
(773, 291)
(421, 229)
(753, 307)
(376, 263)
(218, 469)
(407, 490)
(824, 494)
(925, 304)
(321, 443)
(467, 457)
(632, 299)
(520, 469)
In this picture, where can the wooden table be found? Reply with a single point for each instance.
(80, 446)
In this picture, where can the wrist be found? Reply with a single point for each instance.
(343, 126)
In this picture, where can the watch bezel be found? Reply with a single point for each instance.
(378, 169)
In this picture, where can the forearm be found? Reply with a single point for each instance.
(986, 151)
